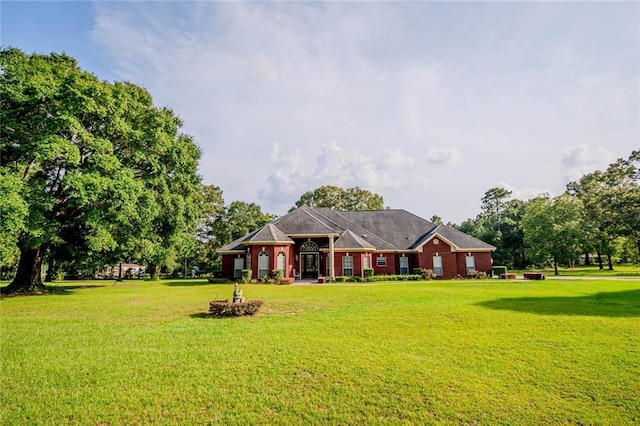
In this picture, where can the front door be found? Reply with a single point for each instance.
(309, 265)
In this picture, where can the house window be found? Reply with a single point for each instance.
(263, 264)
(404, 265)
(437, 265)
(238, 264)
(367, 262)
(281, 262)
(309, 246)
(381, 261)
(471, 265)
(347, 266)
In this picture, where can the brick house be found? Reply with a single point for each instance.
(308, 243)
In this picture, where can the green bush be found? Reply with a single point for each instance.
(276, 276)
(246, 275)
(498, 270)
(224, 308)
(368, 272)
(479, 275)
(425, 274)
(354, 279)
(404, 277)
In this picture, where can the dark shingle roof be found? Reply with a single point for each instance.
(376, 229)
(461, 240)
(269, 233)
(350, 241)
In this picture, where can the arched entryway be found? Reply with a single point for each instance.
(309, 260)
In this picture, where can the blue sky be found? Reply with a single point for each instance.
(429, 104)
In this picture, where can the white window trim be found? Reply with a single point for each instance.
(263, 260)
(470, 263)
(438, 270)
(347, 260)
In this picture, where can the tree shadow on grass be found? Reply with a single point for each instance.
(606, 304)
(187, 283)
(54, 290)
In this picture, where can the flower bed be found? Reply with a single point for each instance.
(225, 308)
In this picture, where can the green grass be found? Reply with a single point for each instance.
(452, 352)
(593, 271)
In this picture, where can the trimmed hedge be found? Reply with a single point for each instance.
(224, 308)
(405, 277)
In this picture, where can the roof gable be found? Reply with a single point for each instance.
(268, 234)
(458, 240)
(350, 241)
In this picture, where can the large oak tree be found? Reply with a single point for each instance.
(97, 165)
(337, 198)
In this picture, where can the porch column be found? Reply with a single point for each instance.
(332, 269)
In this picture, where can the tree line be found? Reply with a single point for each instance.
(599, 214)
(92, 173)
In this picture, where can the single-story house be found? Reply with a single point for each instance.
(308, 243)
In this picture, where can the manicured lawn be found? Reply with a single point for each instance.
(593, 271)
(456, 352)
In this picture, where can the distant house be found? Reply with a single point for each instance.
(311, 242)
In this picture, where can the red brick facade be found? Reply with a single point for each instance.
(388, 241)
(453, 262)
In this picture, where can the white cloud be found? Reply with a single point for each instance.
(447, 157)
(579, 160)
(523, 194)
(412, 96)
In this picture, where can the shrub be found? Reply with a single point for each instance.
(425, 274)
(246, 275)
(275, 277)
(498, 270)
(479, 275)
(404, 277)
(368, 272)
(224, 308)
(354, 279)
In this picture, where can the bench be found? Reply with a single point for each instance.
(321, 280)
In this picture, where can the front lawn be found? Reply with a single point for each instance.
(457, 352)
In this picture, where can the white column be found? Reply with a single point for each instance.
(332, 270)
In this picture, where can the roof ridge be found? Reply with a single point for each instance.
(304, 209)
(316, 211)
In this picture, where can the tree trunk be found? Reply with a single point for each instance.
(51, 270)
(600, 260)
(609, 260)
(29, 273)
(587, 260)
(119, 272)
(555, 266)
(154, 271)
